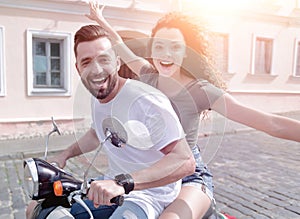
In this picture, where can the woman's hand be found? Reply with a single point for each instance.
(96, 13)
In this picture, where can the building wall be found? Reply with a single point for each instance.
(22, 115)
(278, 20)
(278, 92)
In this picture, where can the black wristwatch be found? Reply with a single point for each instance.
(126, 181)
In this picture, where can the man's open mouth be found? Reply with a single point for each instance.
(101, 80)
(166, 63)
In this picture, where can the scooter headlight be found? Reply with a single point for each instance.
(31, 183)
(43, 180)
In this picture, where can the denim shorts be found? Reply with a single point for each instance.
(201, 176)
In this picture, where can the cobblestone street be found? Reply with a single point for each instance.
(255, 176)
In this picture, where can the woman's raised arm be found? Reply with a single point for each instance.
(134, 62)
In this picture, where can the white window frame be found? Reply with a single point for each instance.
(2, 63)
(296, 54)
(227, 36)
(66, 59)
(252, 70)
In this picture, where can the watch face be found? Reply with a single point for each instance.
(121, 179)
(126, 181)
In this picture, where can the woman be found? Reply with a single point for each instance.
(182, 70)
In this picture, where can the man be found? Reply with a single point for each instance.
(149, 167)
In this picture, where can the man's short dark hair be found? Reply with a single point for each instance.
(88, 33)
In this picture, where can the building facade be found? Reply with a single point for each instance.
(38, 78)
(257, 52)
(257, 49)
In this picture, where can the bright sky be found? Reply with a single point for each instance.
(225, 4)
(222, 13)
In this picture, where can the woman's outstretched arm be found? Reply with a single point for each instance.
(274, 125)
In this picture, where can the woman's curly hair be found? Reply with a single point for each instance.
(199, 62)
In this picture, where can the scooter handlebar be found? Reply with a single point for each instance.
(118, 200)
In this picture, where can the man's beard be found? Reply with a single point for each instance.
(111, 84)
(102, 93)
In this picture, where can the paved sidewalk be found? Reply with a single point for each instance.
(255, 175)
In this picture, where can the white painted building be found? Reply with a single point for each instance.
(258, 53)
(38, 78)
(258, 49)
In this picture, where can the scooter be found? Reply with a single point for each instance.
(57, 189)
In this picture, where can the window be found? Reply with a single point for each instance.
(296, 71)
(48, 62)
(262, 60)
(221, 51)
(2, 72)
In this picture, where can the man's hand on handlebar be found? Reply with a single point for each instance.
(102, 191)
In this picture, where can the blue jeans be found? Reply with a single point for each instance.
(102, 212)
(77, 211)
(128, 210)
(202, 175)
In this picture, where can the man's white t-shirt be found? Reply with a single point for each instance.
(151, 124)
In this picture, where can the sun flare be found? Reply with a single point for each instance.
(226, 6)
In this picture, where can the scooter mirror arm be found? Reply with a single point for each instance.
(55, 129)
(85, 183)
